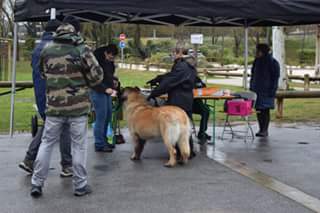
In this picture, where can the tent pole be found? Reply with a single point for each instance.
(317, 65)
(13, 78)
(246, 54)
(278, 51)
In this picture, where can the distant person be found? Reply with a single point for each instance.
(264, 82)
(178, 84)
(69, 67)
(101, 96)
(40, 96)
(203, 110)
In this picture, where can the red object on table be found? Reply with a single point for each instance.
(208, 91)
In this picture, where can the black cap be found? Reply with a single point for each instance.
(73, 21)
(52, 25)
(264, 48)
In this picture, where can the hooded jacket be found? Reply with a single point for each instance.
(265, 74)
(38, 82)
(108, 72)
(179, 84)
(69, 67)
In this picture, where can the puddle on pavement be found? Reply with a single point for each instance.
(303, 143)
(102, 168)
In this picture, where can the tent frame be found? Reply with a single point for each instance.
(123, 17)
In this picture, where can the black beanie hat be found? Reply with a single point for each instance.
(73, 21)
(264, 48)
(52, 25)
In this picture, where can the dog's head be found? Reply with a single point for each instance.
(127, 91)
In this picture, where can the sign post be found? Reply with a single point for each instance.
(196, 39)
(122, 45)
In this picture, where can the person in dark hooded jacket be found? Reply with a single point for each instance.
(264, 82)
(178, 84)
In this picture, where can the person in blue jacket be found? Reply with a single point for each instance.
(101, 96)
(264, 82)
(40, 96)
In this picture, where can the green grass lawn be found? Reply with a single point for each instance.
(295, 110)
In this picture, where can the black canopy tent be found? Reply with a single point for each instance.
(243, 13)
(178, 12)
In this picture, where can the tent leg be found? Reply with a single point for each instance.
(278, 50)
(13, 78)
(317, 65)
(246, 55)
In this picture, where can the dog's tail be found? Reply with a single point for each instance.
(183, 142)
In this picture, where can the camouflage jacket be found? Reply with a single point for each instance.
(69, 67)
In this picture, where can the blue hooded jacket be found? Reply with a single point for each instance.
(38, 82)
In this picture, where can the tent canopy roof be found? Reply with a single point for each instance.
(178, 12)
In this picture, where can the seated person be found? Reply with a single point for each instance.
(201, 109)
(178, 84)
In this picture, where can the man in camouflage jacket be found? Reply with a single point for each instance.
(69, 67)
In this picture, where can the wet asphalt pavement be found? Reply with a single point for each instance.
(290, 155)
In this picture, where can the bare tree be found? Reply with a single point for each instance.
(237, 35)
(7, 12)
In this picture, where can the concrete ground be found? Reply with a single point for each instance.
(204, 185)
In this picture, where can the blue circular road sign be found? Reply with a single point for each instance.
(122, 44)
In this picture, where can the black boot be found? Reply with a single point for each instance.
(260, 122)
(192, 153)
(265, 119)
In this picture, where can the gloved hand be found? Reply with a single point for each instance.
(153, 82)
(149, 98)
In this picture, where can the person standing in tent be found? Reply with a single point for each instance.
(101, 96)
(264, 82)
(40, 96)
(69, 67)
(178, 84)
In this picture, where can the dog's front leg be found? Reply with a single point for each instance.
(138, 148)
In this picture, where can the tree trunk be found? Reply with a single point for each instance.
(213, 38)
(237, 42)
(110, 33)
(257, 37)
(137, 43)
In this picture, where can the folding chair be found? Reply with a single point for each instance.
(240, 107)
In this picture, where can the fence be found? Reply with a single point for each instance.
(281, 95)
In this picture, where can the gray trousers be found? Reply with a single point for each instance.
(65, 147)
(53, 128)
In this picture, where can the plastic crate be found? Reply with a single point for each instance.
(239, 107)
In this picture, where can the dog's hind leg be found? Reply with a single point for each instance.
(138, 148)
(172, 154)
(184, 146)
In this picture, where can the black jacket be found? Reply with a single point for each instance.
(179, 84)
(264, 76)
(199, 83)
(108, 72)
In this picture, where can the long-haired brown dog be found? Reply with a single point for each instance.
(146, 122)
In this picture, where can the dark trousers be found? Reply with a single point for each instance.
(65, 148)
(201, 109)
